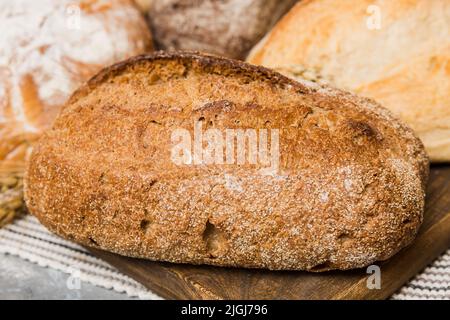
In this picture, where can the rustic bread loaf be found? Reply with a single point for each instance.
(396, 52)
(348, 190)
(47, 49)
(227, 27)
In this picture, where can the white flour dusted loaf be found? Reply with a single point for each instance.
(47, 49)
(397, 52)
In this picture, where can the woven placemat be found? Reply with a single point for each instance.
(29, 240)
(26, 238)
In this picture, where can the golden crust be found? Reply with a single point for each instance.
(403, 62)
(349, 191)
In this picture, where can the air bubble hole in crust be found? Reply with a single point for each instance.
(215, 241)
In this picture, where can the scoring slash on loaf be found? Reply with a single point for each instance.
(349, 189)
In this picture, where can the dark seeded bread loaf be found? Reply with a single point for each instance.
(225, 27)
(349, 189)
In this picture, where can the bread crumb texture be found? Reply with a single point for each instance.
(349, 190)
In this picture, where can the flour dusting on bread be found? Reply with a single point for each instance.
(349, 189)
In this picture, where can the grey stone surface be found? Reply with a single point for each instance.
(21, 279)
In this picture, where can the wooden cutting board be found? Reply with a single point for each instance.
(176, 281)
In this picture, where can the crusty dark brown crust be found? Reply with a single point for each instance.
(203, 60)
(350, 190)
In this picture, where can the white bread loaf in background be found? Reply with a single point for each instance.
(47, 49)
(397, 52)
(227, 27)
